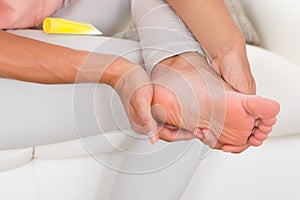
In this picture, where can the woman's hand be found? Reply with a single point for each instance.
(136, 91)
(212, 25)
(234, 68)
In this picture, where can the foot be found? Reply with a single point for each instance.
(189, 94)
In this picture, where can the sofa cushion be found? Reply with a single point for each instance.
(278, 32)
(11, 159)
(106, 143)
(278, 78)
(267, 172)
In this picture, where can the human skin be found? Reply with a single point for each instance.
(212, 25)
(189, 94)
(34, 61)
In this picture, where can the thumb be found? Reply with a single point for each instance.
(140, 114)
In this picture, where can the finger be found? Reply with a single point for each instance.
(210, 139)
(198, 133)
(248, 86)
(153, 134)
(172, 135)
(236, 74)
(141, 118)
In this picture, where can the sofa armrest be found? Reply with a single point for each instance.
(277, 23)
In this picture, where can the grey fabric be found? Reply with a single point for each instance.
(129, 34)
(161, 32)
(239, 16)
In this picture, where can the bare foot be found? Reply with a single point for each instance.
(189, 94)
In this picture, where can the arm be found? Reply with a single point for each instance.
(30, 60)
(214, 28)
(34, 61)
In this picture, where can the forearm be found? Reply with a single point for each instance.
(212, 25)
(31, 60)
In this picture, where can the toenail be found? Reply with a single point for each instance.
(198, 133)
(256, 123)
(152, 137)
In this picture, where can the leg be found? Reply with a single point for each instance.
(165, 180)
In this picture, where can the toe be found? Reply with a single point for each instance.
(268, 122)
(235, 149)
(265, 129)
(261, 107)
(260, 135)
(254, 141)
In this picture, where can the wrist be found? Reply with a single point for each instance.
(177, 61)
(116, 70)
(103, 68)
(236, 52)
(235, 44)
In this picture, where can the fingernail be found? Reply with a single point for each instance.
(200, 136)
(152, 137)
(195, 132)
(198, 133)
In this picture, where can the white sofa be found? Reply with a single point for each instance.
(69, 170)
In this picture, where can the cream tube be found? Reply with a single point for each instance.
(62, 26)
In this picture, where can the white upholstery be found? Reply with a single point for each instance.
(269, 72)
(11, 159)
(66, 170)
(277, 23)
(61, 179)
(272, 170)
(268, 172)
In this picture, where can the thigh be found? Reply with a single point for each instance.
(157, 172)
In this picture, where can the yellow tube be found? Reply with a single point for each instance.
(62, 26)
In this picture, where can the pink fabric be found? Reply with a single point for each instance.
(15, 14)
